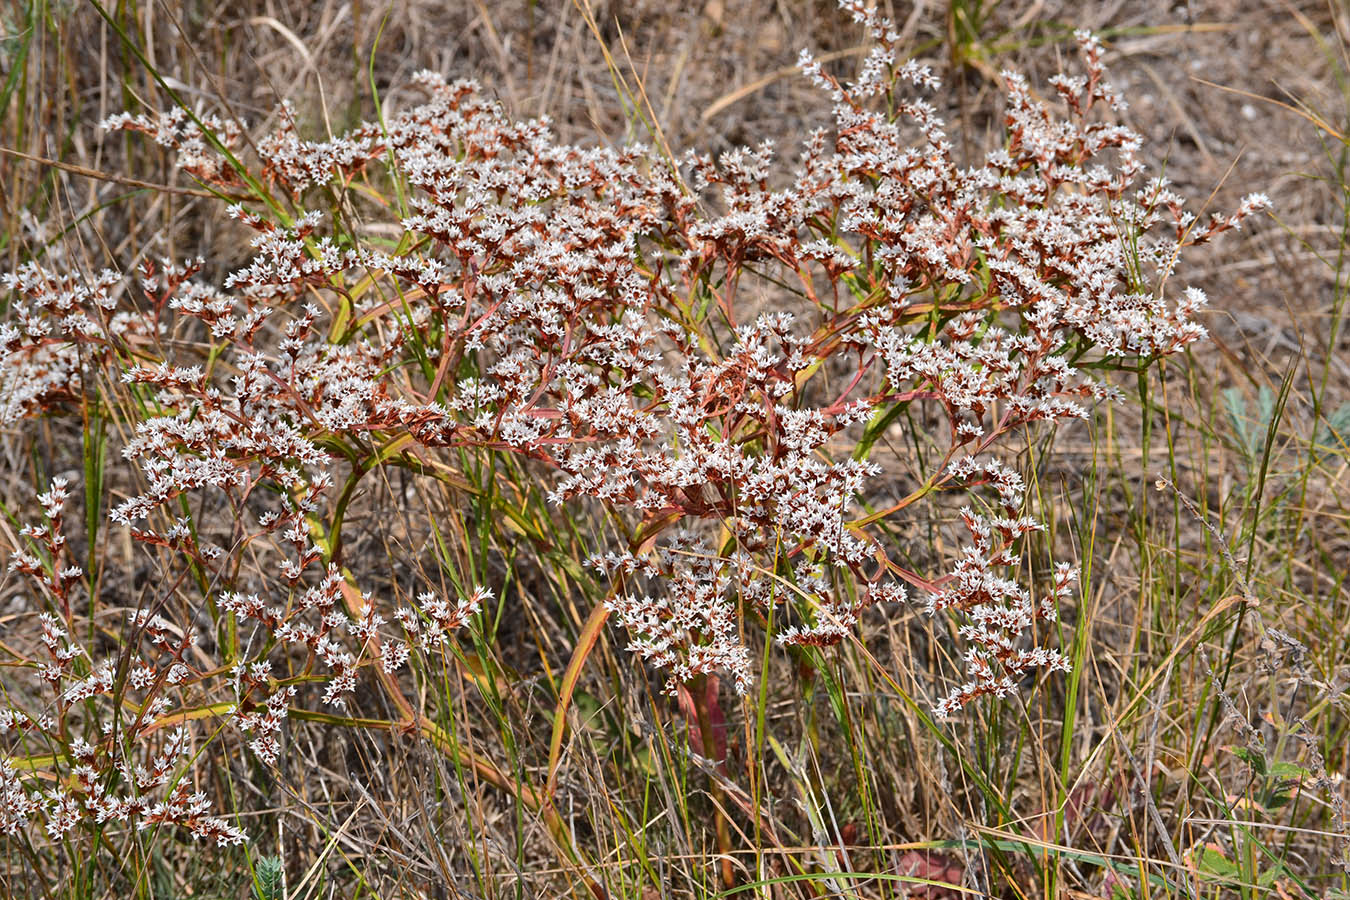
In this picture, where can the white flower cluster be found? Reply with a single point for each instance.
(117, 771)
(55, 319)
(198, 139)
(698, 348)
(998, 611)
(689, 625)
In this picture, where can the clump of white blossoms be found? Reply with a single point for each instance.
(706, 351)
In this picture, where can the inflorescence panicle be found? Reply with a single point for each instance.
(601, 316)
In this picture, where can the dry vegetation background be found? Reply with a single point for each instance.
(1178, 701)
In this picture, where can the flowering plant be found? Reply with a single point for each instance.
(709, 354)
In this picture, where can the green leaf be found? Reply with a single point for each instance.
(1256, 761)
(1213, 862)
